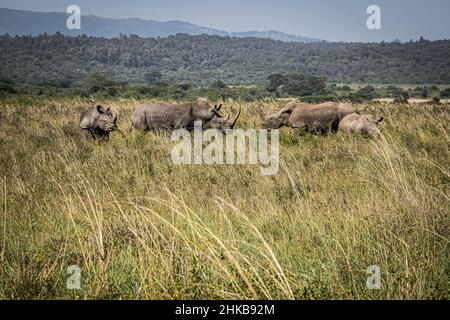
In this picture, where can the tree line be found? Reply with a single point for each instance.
(98, 84)
(62, 61)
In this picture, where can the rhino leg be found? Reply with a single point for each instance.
(335, 124)
(104, 137)
(97, 134)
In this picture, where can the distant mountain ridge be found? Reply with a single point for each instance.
(22, 22)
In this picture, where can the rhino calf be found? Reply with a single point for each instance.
(98, 121)
(361, 123)
(315, 117)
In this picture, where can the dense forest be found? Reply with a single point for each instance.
(61, 60)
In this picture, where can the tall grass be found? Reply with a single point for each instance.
(140, 227)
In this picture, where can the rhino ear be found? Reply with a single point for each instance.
(99, 108)
(381, 119)
(287, 111)
(215, 111)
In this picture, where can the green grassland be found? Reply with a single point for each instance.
(141, 227)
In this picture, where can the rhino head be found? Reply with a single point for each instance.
(106, 121)
(361, 123)
(276, 120)
(212, 117)
(224, 123)
(369, 125)
(99, 121)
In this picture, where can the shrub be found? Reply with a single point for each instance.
(402, 97)
(445, 93)
(436, 100)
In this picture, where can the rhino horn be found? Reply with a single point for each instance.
(237, 116)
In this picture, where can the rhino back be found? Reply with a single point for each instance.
(160, 116)
(345, 109)
(317, 117)
(349, 122)
(88, 119)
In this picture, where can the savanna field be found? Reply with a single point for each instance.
(140, 227)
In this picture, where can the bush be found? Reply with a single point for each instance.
(436, 100)
(445, 93)
(144, 92)
(344, 88)
(295, 84)
(219, 85)
(6, 87)
(97, 83)
(402, 97)
(424, 93)
(364, 94)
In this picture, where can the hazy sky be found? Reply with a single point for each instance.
(332, 20)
